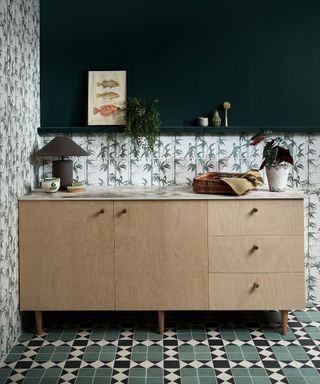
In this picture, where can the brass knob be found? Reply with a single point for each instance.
(255, 247)
(102, 210)
(254, 210)
(123, 211)
(256, 285)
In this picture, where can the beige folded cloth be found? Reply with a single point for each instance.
(244, 183)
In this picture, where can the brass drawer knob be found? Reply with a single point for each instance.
(102, 210)
(254, 210)
(255, 247)
(256, 285)
(122, 212)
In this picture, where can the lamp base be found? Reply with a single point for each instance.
(64, 170)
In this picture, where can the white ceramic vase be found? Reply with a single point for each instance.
(278, 176)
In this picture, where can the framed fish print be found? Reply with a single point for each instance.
(107, 97)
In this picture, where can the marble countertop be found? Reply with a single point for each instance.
(156, 193)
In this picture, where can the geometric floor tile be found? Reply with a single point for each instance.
(196, 348)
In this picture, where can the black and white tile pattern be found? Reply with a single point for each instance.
(197, 347)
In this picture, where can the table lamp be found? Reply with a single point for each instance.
(62, 146)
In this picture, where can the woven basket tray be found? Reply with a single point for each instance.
(211, 183)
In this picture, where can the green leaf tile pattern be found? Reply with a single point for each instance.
(275, 334)
(290, 353)
(240, 353)
(307, 316)
(231, 334)
(250, 375)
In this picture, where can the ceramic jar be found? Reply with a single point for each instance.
(50, 184)
(203, 121)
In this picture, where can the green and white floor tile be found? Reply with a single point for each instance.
(197, 348)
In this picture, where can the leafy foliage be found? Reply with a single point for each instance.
(143, 121)
(275, 150)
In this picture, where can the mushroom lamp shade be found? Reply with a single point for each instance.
(62, 146)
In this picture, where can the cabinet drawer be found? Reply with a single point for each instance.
(256, 254)
(255, 217)
(237, 292)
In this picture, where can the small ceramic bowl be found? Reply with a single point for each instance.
(50, 184)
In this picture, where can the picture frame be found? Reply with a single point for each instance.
(107, 97)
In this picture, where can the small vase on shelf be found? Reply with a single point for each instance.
(216, 120)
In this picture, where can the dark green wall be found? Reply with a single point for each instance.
(261, 55)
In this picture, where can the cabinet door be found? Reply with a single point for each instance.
(161, 255)
(66, 255)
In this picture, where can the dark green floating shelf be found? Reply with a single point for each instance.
(180, 129)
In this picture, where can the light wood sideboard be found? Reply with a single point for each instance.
(161, 251)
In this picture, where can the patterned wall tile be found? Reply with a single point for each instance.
(298, 173)
(163, 162)
(313, 151)
(19, 117)
(137, 172)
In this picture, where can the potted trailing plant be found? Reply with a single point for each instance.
(143, 122)
(276, 159)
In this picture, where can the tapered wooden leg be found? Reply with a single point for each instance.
(161, 321)
(284, 315)
(39, 329)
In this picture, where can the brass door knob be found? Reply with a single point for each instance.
(255, 247)
(254, 210)
(256, 285)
